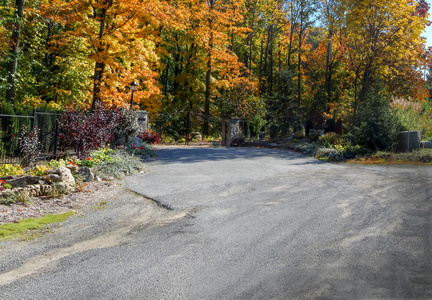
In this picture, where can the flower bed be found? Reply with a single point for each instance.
(60, 176)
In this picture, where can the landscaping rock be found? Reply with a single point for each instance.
(20, 181)
(46, 189)
(196, 135)
(86, 174)
(74, 169)
(62, 187)
(55, 177)
(64, 174)
(426, 144)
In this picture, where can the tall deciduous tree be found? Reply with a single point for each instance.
(121, 39)
(14, 51)
(382, 35)
(202, 52)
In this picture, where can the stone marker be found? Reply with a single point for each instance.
(86, 174)
(426, 144)
(196, 135)
(409, 141)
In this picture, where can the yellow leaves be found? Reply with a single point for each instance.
(383, 37)
(32, 102)
(121, 35)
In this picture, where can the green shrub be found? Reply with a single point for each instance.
(14, 197)
(257, 123)
(29, 145)
(88, 162)
(121, 163)
(57, 163)
(102, 154)
(416, 119)
(374, 126)
(208, 139)
(167, 139)
(39, 170)
(329, 139)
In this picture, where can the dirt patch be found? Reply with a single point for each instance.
(88, 195)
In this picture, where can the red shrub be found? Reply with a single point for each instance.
(150, 137)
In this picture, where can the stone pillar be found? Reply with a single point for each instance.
(409, 141)
(142, 119)
(230, 130)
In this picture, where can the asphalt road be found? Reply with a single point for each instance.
(239, 223)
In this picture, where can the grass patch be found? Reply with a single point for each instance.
(25, 226)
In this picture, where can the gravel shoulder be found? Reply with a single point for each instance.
(90, 194)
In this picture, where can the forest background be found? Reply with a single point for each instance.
(338, 65)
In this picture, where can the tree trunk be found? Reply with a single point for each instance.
(260, 66)
(266, 53)
(177, 66)
(206, 127)
(99, 66)
(14, 52)
(290, 46)
(329, 67)
(299, 62)
(366, 80)
(251, 34)
(271, 59)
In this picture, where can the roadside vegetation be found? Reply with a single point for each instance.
(280, 65)
(28, 228)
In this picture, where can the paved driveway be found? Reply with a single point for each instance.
(239, 223)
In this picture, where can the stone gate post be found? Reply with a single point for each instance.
(230, 130)
(142, 119)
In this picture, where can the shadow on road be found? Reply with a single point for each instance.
(200, 154)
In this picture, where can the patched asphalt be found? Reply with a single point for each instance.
(240, 223)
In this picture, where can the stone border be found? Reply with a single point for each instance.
(60, 179)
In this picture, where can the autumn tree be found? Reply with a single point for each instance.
(331, 12)
(121, 40)
(202, 70)
(382, 36)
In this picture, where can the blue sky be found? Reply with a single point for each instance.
(428, 33)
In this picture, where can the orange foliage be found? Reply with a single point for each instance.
(121, 38)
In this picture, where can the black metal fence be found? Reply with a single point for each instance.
(12, 126)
